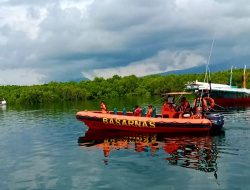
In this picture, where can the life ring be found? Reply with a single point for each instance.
(204, 103)
(211, 102)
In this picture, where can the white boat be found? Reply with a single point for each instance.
(217, 87)
(3, 102)
(223, 93)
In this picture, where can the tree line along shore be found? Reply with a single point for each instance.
(112, 87)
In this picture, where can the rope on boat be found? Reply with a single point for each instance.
(225, 109)
(177, 99)
(142, 105)
(220, 106)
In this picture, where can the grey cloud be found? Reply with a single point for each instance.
(33, 13)
(109, 34)
(29, 2)
(5, 30)
(124, 15)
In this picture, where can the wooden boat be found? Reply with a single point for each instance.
(175, 122)
(223, 94)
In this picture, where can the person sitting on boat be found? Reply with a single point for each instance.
(138, 111)
(185, 106)
(168, 107)
(150, 111)
(103, 107)
(168, 110)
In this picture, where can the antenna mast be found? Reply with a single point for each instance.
(207, 68)
(244, 77)
(231, 76)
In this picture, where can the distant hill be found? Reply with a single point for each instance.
(213, 68)
(79, 79)
(69, 79)
(195, 70)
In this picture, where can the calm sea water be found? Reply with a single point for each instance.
(45, 147)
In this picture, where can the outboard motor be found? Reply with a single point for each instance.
(217, 121)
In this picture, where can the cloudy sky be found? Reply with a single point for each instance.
(63, 40)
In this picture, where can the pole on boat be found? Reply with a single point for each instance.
(210, 90)
(202, 106)
(231, 76)
(207, 75)
(244, 78)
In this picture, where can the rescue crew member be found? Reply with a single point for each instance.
(165, 103)
(150, 111)
(168, 107)
(138, 111)
(167, 110)
(185, 106)
(103, 107)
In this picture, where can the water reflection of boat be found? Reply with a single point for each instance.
(189, 151)
(3, 107)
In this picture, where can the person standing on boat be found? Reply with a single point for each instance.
(150, 111)
(103, 107)
(165, 103)
(138, 111)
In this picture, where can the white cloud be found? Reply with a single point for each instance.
(23, 18)
(24, 77)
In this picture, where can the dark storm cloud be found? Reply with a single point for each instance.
(60, 40)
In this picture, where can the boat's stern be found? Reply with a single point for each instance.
(217, 121)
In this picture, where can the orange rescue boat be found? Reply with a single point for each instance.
(170, 120)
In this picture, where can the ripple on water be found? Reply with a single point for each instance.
(46, 148)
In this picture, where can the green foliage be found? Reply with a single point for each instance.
(112, 87)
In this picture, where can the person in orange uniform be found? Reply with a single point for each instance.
(138, 111)
(168, 110)
(103, 107)
(185, 106)
(150, 111)
(168, 107)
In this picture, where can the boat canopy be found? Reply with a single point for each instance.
(178, 93)
(215, 87)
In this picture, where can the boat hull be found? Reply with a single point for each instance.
(232, 102)
(95, 120)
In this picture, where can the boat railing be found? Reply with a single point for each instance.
(130, 113)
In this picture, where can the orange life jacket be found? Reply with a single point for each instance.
(185, 107)
(138, 112)
(103, 107)
(167, 107)
(150, 112)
